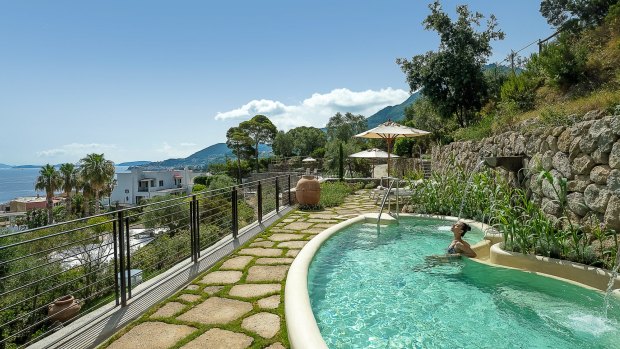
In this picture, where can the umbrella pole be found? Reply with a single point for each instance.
(389, 142)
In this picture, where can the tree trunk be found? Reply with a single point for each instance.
(96, 201)
(238, 169)
(68, 202)
(257, 157)
(49, 205)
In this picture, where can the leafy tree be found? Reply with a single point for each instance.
(98, 173)
(452, 78)
(50, 181)
(574, 14)
(240, 143)
(306, 140)
(563, 62)
(344, 127)
(283, 144)
(520, 90)
(69, 174)
(163, 211)
(261, 130)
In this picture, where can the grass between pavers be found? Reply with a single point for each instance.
(234, 326)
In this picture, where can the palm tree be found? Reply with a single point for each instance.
(68, 173)
(50, 181)
(98, 172)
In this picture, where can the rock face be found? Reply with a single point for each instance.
(586, 154)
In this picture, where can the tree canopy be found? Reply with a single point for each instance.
(303, 141)
(571, 14)
(452, 78)
(261, 130)
(241, 145)
(344, 127)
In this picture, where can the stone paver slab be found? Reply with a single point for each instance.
(142, 336)
(222, 277)
(267, 273)
(292, 253)
(274, 261)
(262, 244)
(220, 339)
(254, 290)
(292, 244)
(168, 309)
(189, 297)
(284, 237)
(319, 216)
(298, 226)
(212, 289)
(276, 345)
(261, 252)
(288, 220)
(236, 263)
(323, 225)
(216, 310)
(270, 302)
(265, 325)
(192, 287)
(323, 220)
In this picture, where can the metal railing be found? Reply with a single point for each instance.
(102, 258)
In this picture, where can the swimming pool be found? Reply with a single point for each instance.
(372, 288)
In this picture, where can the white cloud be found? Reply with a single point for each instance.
(180, 150)
(316, 110)
(76, 149)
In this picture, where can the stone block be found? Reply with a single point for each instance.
(216, 310)
(600, 157)
(547, 160)
(237, 263)
(216, 338)
(259, 273)
(599, 174)
(578, 184)
(564, 141)
(265, 325)
(254, 290)
(612, 213)
(168, 309)
(142, 336)
(613, 181)
(222, 277)
(577, 204)
(582, 164)
(562, 164)
(614, 124)
(596, 197)
(614, 156)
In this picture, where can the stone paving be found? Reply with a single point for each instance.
(239, 302)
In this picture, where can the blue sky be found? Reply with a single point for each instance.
(150, 80)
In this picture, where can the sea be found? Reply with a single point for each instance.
(19, 182)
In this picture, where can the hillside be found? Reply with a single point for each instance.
(213, 153)
(395, 113)
(133, 163)
(5, 166)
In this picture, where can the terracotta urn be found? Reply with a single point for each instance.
(308, 191)
(63, 309)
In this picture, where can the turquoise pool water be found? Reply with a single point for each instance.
(376, 289)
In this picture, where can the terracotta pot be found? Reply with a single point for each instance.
(308, 191)
(63, 308)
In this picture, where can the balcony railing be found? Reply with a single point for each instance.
(143, 189)
(85, 258)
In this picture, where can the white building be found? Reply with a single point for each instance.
(133, 187)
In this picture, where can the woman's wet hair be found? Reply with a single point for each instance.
(466, 228)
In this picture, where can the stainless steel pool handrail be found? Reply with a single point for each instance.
(386, 196)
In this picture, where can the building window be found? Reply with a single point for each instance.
(126, 191)
(126, 198)
(161, 183)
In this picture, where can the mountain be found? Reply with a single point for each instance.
(213, 153)
(5, 166)
(395, 112)
(133, 163)
(28, 166)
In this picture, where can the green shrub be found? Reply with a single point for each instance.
(198, 188)
(520, 90)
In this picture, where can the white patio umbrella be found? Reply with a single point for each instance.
(309, 159)
(389, 131)
(373, 153)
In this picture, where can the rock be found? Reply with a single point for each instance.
(553, 143)
(613, 181)
(588, 144)
(551, 207)
(612, 214)
(600, 157)
(582, 164)
(547, 160)
(577, 204)
(614, 124)
(143, 336)
(578, 184)
(599, 174)
(580, 128)
(594, 114)
(596, 197)
(561, 163)
(564, 141)
(614, 156)
(216, 310)
(549, 189)
(216, 338)
(265, 325)
(557, 131)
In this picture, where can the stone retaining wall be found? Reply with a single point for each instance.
(587, 154)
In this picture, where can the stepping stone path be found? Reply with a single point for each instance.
(244, 294)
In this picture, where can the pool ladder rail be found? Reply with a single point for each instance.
(392, 181)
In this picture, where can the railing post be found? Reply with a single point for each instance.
(192, 235)
(289, 190)
(197, 227)
(277, 196)
(259, 194)
(121, 255)
(128, 259)
(235, 221)
(114, 239)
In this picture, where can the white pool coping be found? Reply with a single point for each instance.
(303, 331)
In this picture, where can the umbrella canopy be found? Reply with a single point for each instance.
(309, 159)
(373, 153)
(390, 131)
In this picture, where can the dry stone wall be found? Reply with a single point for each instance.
(587, 154)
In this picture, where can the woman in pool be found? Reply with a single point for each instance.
(458, 245)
